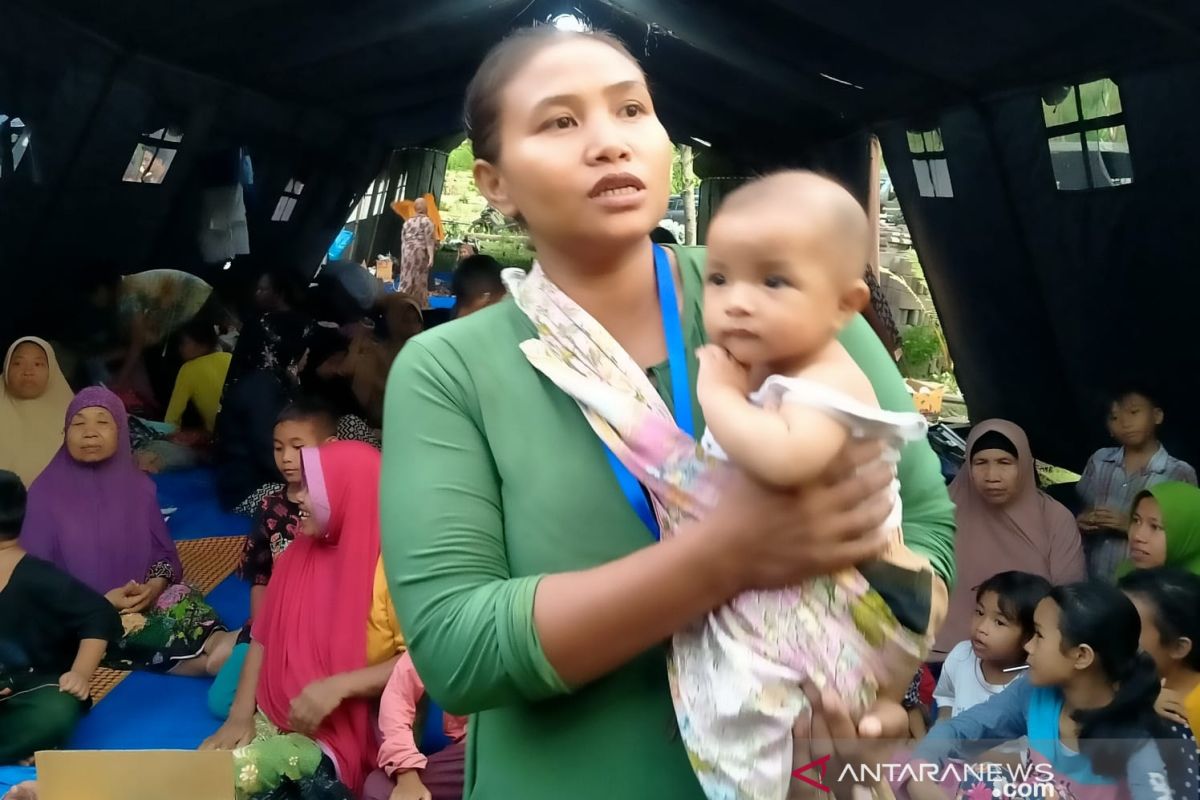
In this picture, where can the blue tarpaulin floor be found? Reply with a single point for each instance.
(162, 712)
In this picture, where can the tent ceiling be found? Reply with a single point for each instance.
(779, 68)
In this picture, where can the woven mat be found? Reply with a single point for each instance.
(206, 562)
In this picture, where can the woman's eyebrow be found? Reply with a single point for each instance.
(568, 99)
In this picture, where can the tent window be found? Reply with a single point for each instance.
(287, 201)
(152, 156)
(1085, 126)
(362, 209)
(15, 138)
(929, 163)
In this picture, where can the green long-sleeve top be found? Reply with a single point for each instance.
(491, 479)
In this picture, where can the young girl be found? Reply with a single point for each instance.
(405, 773)
(324, 641)
(1165, 529)
(1003, 624)
(1087, 704)
(1168, 601)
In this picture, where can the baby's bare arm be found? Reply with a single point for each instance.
(791, 445)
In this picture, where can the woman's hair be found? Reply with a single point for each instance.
(1137, 501)
(1017, 594)
(12, 505)
(481, 114)
(661, 235)
(1103, 618)
(202, 332)
(1175, 596)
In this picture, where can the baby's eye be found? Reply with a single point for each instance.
(776, 282)
(716, 279)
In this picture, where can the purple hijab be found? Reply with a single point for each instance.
(99, 522)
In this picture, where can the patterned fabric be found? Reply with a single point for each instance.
(735, 676)
(163, 569)
(277, 765)
(278, 523)
(206, 562)
(416, 242)
(175, 630)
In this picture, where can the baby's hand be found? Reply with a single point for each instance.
(719, 371)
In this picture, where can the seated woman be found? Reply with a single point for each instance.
(324, 641)
(94, 515)
(404, 772)
(201, 378)
(1165, 531)
(252, 400)
(1004, 523)
(371, 353)
(53, 633)
(34, 398)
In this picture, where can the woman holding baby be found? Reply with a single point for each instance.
(522, 556)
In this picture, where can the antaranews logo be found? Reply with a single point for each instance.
(997, 781)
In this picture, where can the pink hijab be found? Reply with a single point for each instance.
(1032, 533)
(313, 623)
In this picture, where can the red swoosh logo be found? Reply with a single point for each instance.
(820, 764)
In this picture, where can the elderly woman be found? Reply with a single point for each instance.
(95, 516)
(418, 245)
(34, 398)
(1004, 523)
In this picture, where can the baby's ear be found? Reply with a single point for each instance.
(855, 297)
(330, 439)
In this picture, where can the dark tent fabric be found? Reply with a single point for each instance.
(1047, 295)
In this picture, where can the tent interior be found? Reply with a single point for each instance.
(1060, 263)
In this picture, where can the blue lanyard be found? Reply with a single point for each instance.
(681, 393)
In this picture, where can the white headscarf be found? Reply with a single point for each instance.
(31, 431)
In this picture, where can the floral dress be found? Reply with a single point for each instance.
(175, 629)
(416, 242)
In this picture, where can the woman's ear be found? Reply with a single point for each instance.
(491, 185)
(1085, 657)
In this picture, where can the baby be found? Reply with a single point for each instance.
(781, 398)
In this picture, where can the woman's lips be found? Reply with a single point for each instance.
(619, 192)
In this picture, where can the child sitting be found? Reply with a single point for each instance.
(1086, 706)
(1115, 476)
(53, 633)
(991, 659)
(476, 285)
(304, 423)
(407, 774)
(1167, 600)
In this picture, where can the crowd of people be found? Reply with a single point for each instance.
(569, 483)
